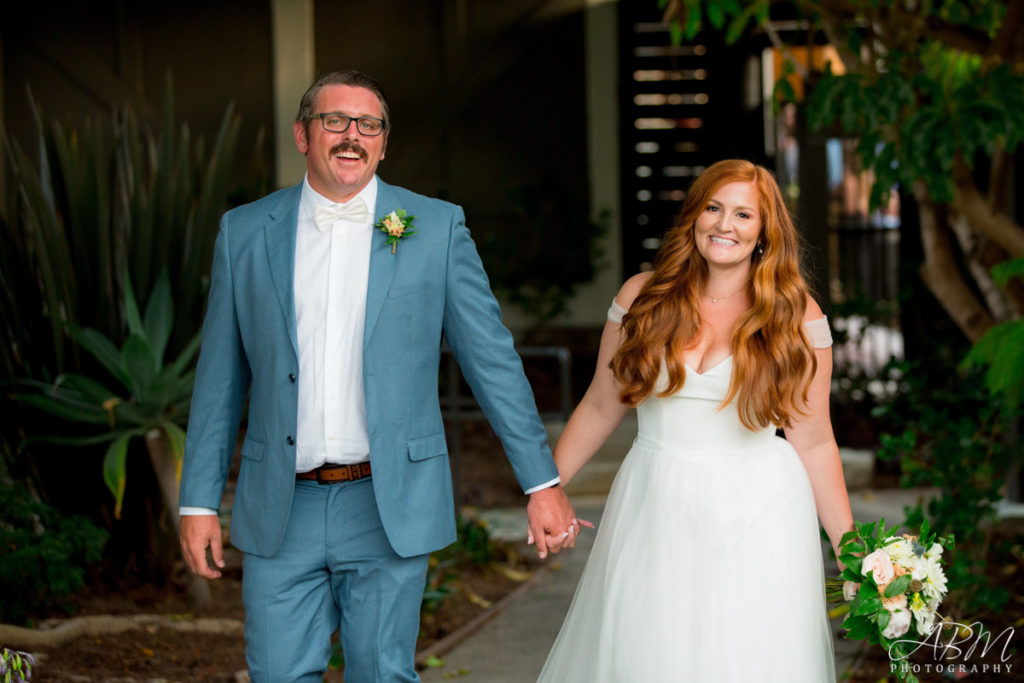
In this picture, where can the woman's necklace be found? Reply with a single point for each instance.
(716, 299)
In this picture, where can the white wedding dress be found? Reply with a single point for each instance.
(707, 566)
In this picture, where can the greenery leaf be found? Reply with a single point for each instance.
(131, 308)
(115, 470)
(159, 317)
(898, 586)
(139, 362)
(65, 408)
(103, 350)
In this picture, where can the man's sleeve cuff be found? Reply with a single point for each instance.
(554, 482)
(186, 511)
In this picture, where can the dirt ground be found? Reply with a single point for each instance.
(152, 653)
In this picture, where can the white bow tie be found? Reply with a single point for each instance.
(326, 216)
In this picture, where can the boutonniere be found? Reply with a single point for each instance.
(396, 225)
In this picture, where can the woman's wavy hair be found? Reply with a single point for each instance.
(773, 361)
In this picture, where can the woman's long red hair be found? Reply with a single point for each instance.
(773, 361)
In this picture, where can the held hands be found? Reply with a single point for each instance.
(198, 532)
(551, 521)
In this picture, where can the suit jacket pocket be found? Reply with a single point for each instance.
(408, 290)
(253, 448)
(427, 447)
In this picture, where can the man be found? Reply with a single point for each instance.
(335, 335)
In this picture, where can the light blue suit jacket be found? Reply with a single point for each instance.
(434, 284)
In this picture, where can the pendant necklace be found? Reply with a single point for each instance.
(716, 299)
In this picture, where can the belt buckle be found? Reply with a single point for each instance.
(322, 481)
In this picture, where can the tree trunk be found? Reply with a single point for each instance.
(997, 226)
(981, 255)
(940, 272)
(166, 470)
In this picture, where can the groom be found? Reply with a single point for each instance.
(335, 337)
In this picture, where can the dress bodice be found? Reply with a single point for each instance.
(693, 417)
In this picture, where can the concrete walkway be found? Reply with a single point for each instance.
(512, 647)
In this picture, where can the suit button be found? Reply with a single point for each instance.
(291, 441)
(291, 377)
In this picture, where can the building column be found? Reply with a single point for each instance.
(601, 27)
(294, 69)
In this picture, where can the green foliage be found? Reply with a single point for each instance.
(868, 617)
(948, 431)
(471, 547)
(918, 105)
(100, 201)
(15, 667)
(1001, 350)
(545, 253)
(44, 552)
(154, 395)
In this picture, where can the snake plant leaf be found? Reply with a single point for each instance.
(159, 316)
(115, 470)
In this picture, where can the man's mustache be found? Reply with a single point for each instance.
(348, 147)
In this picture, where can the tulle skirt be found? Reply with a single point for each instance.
(707, 566)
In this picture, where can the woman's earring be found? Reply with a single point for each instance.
(760, 249)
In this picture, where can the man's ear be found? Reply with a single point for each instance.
(384, 147)
(301, 142)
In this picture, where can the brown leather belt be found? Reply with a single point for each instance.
(333, 474)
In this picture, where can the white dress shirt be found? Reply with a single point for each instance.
(331, 272)
(332, 268)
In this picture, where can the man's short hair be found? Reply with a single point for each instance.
(356, 79)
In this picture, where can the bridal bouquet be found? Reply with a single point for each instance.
(893, 583)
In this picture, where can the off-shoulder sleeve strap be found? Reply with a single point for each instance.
(615, 312)
(818, 332)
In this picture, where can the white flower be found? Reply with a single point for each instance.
(935, 551)
(934, 578)
(900, 550)
(880, 567)
(850, 589)
(899, 623)
(924, 614)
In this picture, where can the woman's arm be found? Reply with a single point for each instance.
(811, 435)
(600, 411)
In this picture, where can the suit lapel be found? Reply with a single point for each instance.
(382, 261)
(279, 233)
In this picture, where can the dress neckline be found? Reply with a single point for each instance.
(711, 369)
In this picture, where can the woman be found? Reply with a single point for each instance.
(707, 566)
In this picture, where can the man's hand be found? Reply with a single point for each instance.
(551, 521)
(198, 532)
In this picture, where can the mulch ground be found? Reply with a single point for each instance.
(158, 653)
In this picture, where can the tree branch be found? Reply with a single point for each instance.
(939, 271)
(998, 227)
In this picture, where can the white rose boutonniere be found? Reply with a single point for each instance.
(396, 225)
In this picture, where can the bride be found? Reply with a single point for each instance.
(707, 565)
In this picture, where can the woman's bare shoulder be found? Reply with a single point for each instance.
(631, 289)
(813, 310)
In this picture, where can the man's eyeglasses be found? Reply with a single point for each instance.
(338, 123)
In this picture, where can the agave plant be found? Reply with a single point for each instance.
(92, 209)
(151, 401)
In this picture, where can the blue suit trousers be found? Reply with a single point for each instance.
(335, 568)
